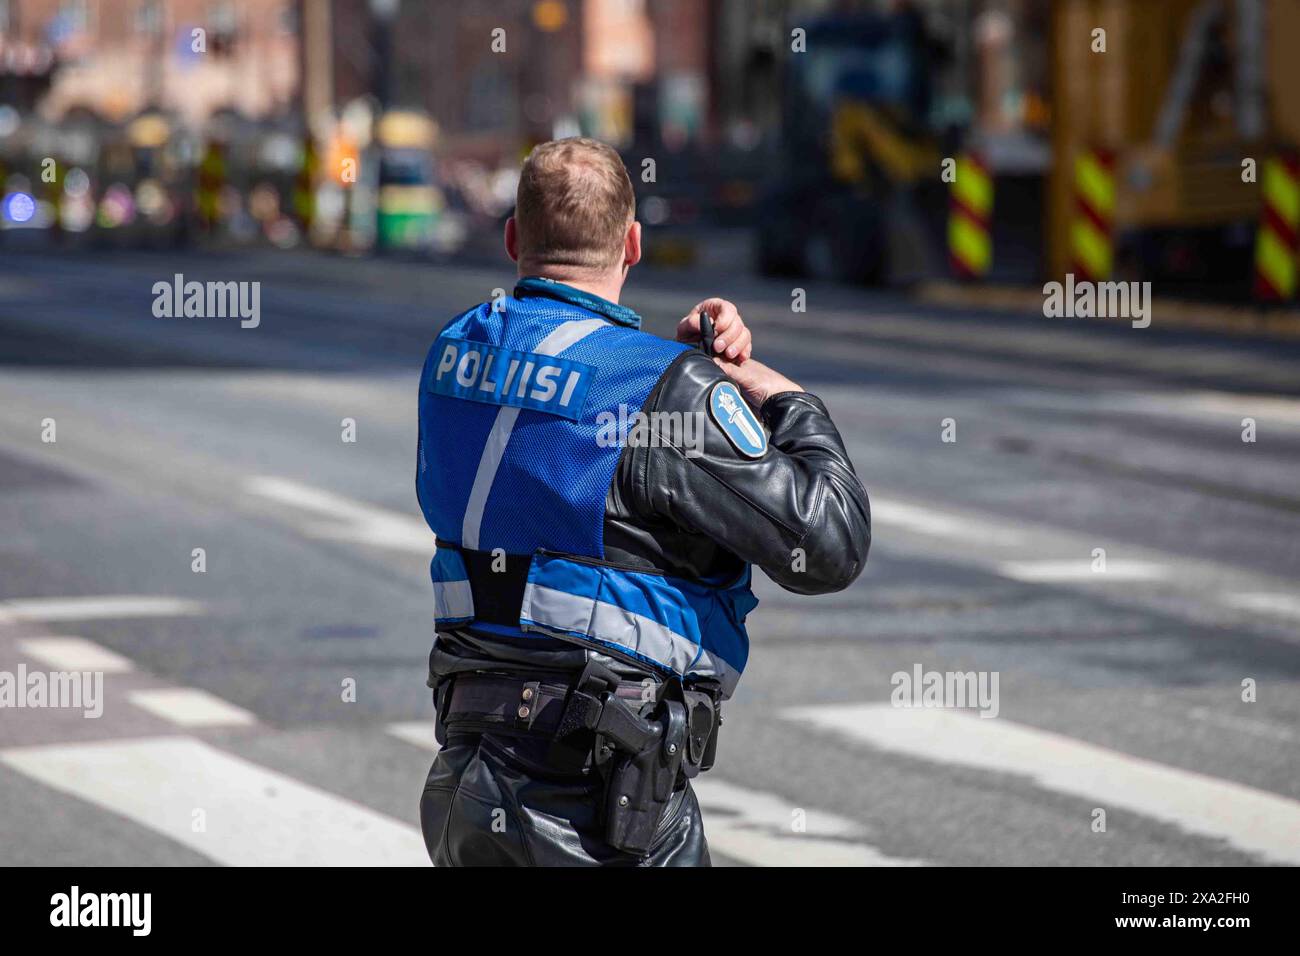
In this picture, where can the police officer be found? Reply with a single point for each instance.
(599, 495)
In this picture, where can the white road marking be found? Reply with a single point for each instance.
(1276, 409)
(1080, 569)
(191, 707)
(1254, 821)
(1203, 581)
(937, 523)
(1259, 728)
(345, 518)
(748, 826)
(102, 607)
(759, 828)
(1281, 605)
(252, 816)
(74, 654)
(418, 732)
(1208, 407)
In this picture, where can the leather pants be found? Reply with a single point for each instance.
(491, 801)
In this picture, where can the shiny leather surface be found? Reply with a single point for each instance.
(489, 801)
(705, 514)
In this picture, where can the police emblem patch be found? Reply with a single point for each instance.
(737, 420)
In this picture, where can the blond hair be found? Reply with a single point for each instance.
(573, 206)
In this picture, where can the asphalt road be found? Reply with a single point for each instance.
(229, 732)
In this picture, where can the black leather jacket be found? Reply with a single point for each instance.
(798, 512)
(700, 516)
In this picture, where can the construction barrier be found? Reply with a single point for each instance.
(970, 218)
(1092, 241)
(212, 180)
(1279, 226)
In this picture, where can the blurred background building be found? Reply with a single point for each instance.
(116, 59)
(810, 133)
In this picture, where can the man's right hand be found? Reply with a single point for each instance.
(732, 340)
(756, 380)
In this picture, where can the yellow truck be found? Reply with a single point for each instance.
(1191, 98)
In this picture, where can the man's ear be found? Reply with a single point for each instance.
(512, 240)
(632, 245)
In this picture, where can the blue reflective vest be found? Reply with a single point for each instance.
(515, 403)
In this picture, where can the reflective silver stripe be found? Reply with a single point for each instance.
(493, 452)
(548, 608)
(495, 449)
(452, 599)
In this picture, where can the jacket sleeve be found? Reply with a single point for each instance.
(799, 511)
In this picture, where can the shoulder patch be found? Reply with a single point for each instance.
(737, 420)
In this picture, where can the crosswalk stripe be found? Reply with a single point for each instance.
(1249, 819)
(749, 826)
(418, 732)
(1281, 605)
(341, 518)
(107, 606)
(937, 523)
(957, 530)
(1081, 569)
(252, 816)
(191, 707)
(74, 654)
(759, 828)
(1259, 728)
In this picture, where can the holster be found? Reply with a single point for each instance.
(640, 755)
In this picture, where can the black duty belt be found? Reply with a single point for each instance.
(598, 704)
(641, 738)
(491, 702)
